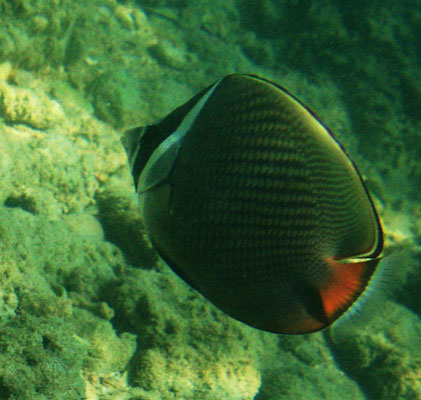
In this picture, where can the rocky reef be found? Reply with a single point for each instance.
(87, 311)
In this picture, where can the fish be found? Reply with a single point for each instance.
(253, 202)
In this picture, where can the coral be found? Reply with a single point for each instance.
(24, 106)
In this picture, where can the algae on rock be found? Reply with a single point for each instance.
(85, 309)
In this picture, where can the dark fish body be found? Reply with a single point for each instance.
(252, 201)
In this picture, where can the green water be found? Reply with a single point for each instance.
(87, 311)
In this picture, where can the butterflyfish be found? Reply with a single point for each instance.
(251, 200)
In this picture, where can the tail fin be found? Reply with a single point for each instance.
(386, 278)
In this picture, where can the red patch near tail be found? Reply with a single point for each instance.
(348, 281)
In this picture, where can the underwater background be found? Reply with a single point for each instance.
(87, 311)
